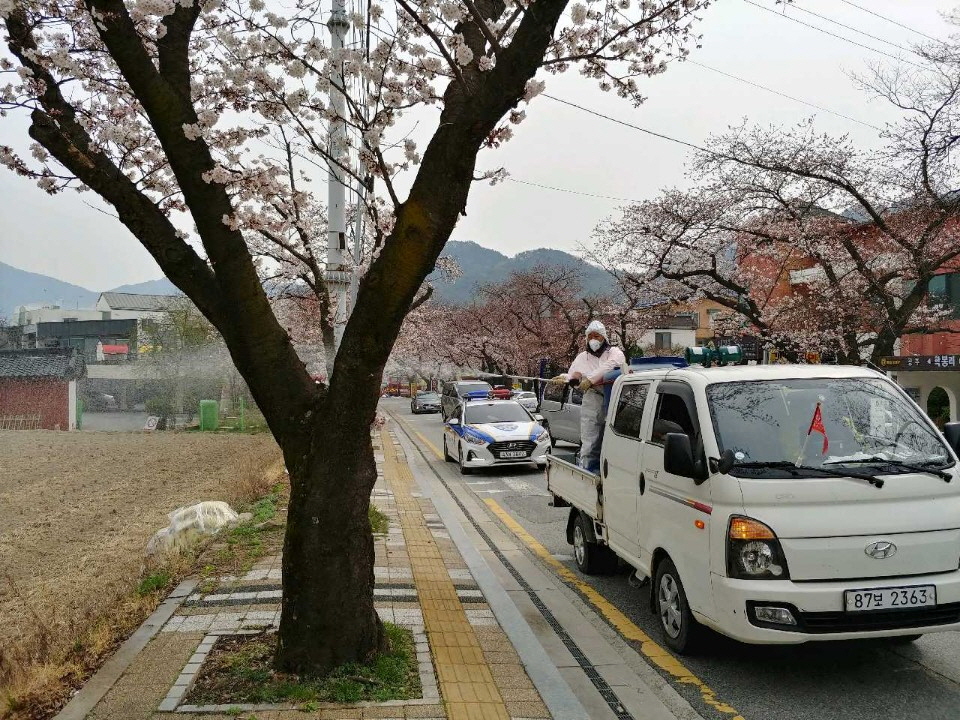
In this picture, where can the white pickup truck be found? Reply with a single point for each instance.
(774, 504)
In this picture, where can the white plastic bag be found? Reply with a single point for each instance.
(187, 524)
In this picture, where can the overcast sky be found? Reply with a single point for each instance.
(69, 238)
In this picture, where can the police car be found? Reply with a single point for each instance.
(483, 433)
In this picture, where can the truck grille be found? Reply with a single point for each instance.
(838, 622)
(526, 446)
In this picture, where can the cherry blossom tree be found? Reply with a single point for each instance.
(818, 244)
(183, 116)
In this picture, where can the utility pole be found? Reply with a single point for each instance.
(338, 278)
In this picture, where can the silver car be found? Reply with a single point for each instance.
(560, 409)
(527, 399)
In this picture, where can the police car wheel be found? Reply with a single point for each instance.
(464, 470)
(446, 453)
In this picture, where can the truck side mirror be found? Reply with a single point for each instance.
(951, 431)
(724, 463)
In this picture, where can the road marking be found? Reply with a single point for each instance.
(423, 439)
(626, 627)
(658, 655)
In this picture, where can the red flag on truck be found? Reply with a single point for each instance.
(816, 425)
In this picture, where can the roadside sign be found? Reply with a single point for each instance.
(151, 423)
(920, 362)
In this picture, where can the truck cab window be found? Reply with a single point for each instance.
(630, 410)
(672, 417)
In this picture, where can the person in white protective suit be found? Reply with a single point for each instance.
(586, 372)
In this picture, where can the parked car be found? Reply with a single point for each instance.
(426, 401)
(526, 398)
(483, 433)
(502, 392)
(455, 392)
(560, 408)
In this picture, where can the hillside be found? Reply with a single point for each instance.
(19, 287)
(481, 265)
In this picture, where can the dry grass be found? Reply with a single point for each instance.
(76, 511)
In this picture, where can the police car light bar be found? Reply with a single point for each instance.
(706, 356)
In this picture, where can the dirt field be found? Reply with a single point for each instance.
(77, 510)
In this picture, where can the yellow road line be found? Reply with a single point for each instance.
(429, 444)
(658, 655)
(423, 438)
(627, 628)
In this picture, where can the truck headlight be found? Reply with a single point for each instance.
(754, 552)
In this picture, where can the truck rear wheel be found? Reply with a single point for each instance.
(591, 558)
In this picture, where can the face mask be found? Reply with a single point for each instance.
(594, 344)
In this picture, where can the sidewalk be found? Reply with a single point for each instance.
(485, 651)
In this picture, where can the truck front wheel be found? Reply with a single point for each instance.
(680, 630)
(591, 558)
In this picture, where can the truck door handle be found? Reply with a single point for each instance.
(604, 468)
(643, 483)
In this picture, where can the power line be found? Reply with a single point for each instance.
(629, 125)
(889, 20)
(770, 90)
(572, 192)
(856, 30)
(781, 94)
(827, 32)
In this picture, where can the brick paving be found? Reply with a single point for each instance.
(468, 668)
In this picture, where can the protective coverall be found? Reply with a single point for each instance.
(593, 365)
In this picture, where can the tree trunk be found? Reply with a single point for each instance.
(328, 615)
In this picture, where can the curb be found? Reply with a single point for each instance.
(554, 690)
(106, 677)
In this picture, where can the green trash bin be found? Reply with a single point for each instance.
(209, 414)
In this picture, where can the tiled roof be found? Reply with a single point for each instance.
(60, 363)
(132, 301)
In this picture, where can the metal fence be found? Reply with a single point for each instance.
(20, 422)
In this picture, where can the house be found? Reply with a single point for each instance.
(38, 388)
(30, 315)
(132, 306)
(85, 335)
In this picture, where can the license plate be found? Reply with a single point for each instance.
(890, 598)
(513, 454)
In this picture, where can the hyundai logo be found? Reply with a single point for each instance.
(881, 550)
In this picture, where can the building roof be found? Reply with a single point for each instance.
(57, 363)
(133, 301)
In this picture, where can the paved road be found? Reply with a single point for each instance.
(819, 681)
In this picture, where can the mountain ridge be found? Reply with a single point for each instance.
(479, 265)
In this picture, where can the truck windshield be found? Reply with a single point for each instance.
(498, 413)
(862, 423)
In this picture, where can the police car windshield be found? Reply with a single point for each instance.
(833, 422)
(501, 412)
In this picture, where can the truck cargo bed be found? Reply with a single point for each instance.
(575, 485)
